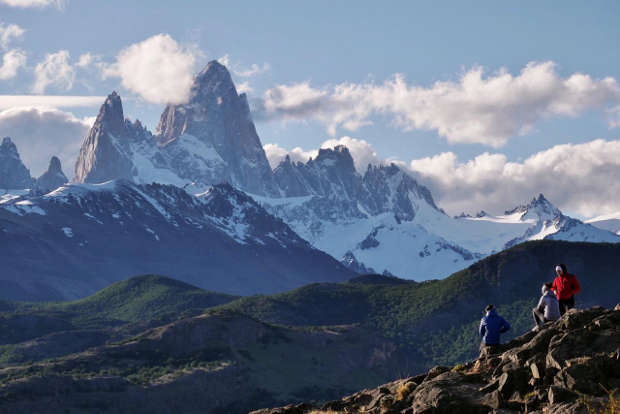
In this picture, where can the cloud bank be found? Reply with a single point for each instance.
(475, 109)
(582, 178)
(40, 133)
(53, 101)
(579, 178)
(361, 151)
(158, 69)
(25, 4)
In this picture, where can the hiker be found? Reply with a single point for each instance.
(566, 286)
(491, 326)
(548, 308)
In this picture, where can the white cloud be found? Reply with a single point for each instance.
(11, 62)
(9, 32)
(361, 152)
(224, 60)
(581, 178)
(244, 87)
(24, 4)
(54, 101)
(87, 60)
(54, 70)
(578, 178)
(40, 133)
(275, 154)
(158, 69)
(253, 70)
(475, 109)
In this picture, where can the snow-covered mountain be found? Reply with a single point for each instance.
(610, 222)
(380, 221)
(371, 221)
(209, 140)
(80, 237)
(384, 221)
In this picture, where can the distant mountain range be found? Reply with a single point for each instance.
(144, 202)
(609, 222)
(81, 237)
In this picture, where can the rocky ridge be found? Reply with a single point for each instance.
(569, 366)
(209, 140)
(89, 235)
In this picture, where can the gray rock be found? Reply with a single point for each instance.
(219, 117)
(105, 153)
(52, 178)
(13, 173)
(559, 394)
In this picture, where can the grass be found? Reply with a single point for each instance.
(405, 390)
(610, 406)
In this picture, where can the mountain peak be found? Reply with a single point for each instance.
(8, 148)
(539, 208)
(110, 117)
(13, 173)
(220, 119)
(55, 165)
(103, 155)
(214, 80)
(338, 156)
(52, 178)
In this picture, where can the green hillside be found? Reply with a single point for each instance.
(438, 320)
(121, 309)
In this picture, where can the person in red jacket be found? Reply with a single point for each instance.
(565, 286)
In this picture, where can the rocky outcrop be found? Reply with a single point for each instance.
(570, 366)
(52, 178)
(13, 172)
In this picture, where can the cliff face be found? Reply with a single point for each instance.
(13, 173)
(568, 367)
(105, 154)
(218, 117)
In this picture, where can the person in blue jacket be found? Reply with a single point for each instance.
(491, 326)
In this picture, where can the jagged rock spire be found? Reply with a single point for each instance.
(13, 172)
(52, 178)
(103, 155)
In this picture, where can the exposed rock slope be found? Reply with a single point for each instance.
(13, 172)
(567, 367)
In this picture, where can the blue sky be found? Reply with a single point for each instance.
(327, 44)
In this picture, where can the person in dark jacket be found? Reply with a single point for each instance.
(565, 286)
(491, 326)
